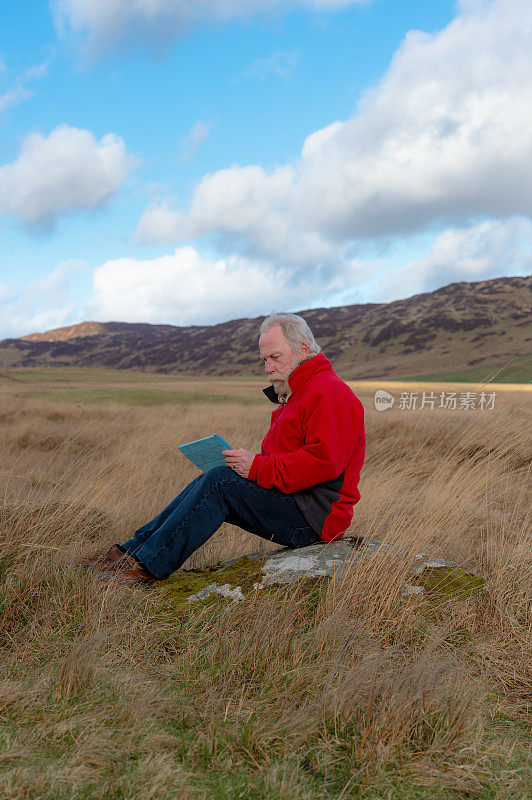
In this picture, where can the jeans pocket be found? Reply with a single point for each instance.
(303, 537)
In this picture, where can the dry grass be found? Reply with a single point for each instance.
(344, 690)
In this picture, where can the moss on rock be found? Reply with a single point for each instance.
(441, 583)
(243, 572)
(438, 583)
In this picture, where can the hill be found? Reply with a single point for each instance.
(461, 331)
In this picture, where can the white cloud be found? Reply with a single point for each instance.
(194, 138)
(282, 64)
(252, 210)
(36, 71)
(43, 304)
(184, 288)
(444, 137)
(65, 171)
(108, 24)
(487, 250)
(13, 97)
(19, 92)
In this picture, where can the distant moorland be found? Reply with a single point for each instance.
(462, 332)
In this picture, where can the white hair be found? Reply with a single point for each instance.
(294, 328)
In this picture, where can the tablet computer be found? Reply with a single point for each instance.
(206, 453)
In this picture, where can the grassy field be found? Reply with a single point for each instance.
(348, 690)
(518, 370)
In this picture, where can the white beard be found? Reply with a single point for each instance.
(282, 390)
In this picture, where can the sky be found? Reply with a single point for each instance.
(186, 163)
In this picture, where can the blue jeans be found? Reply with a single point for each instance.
(221, 495)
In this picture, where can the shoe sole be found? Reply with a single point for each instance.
(106, 577)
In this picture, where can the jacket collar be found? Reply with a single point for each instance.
(271, 394)
(300, 375)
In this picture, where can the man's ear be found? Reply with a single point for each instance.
(304, 349)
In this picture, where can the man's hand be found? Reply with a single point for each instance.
(239, 460)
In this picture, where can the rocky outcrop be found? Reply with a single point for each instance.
(234, 579)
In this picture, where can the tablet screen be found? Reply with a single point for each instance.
(206, 453)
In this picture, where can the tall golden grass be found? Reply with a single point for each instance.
(345, 690)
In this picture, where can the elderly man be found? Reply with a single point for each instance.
(299, 490)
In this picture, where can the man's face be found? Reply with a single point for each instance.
(279, 358)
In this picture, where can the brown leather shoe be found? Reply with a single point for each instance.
(134, 576)
(115, 558)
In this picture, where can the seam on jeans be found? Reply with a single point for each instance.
(166, 544)
(209, 492)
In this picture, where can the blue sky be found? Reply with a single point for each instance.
(161, 168)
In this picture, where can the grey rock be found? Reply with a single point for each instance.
(409, 589)
(328, 559)
(235, 593)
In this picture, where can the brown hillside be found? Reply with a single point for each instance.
(70, 332)
(458, 327)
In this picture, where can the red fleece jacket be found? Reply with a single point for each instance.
(315, 447)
